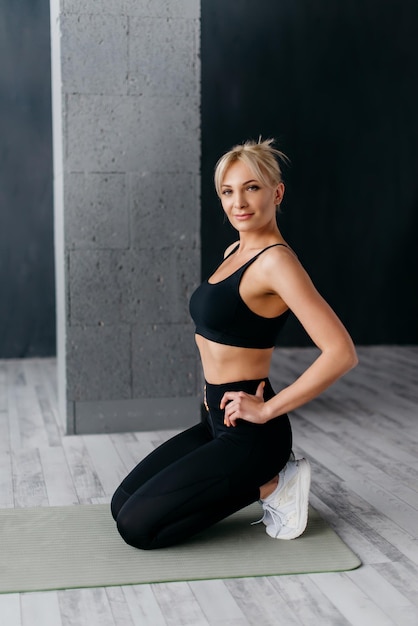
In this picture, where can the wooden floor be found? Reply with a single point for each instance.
(361, 437)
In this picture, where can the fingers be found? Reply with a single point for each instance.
(233, 395)
(232, 403)
(260, 390)
(230, 408)
(232, 412)
(241, 405)
(229, 396)
(229, 421)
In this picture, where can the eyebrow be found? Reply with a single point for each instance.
(252, 180)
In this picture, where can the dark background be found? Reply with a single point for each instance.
(27, 291)
(336, 84)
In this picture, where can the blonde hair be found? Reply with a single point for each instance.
(259, 156)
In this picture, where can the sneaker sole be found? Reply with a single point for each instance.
(303, 502)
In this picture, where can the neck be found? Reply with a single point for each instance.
(256, 240)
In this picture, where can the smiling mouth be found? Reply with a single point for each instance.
(243, 216)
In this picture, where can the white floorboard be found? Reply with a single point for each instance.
(361, 437)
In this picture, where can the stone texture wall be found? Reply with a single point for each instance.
(126, 96)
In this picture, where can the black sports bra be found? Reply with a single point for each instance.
(221, 315)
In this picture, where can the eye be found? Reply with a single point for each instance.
(226, 192)
(253, 188)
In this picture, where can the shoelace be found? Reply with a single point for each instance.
(275, 516)
(258, 521)
(278, 520)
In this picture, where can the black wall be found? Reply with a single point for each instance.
(27, 296)
(336, 84)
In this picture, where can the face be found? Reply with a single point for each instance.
(248, 203)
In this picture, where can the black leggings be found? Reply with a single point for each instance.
(201, 475)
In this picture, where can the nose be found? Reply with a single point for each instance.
(239, 200)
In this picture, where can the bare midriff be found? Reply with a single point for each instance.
(225, 364)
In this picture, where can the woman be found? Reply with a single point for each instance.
(241, 452)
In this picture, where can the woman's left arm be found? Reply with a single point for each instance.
(286, 277)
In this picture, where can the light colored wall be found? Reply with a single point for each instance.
(126, 98)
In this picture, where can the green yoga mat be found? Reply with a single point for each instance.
(78, 546)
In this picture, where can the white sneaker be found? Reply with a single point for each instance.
(267, 518)
(286, 509)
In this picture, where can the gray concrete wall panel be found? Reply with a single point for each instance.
(97, 214)
(96, 283)
(127, 121)
(132, 133)
(90, 43)
(163, 57)
(166, 203)
(163, 358)
(186, 9)
(150, 286)
(158, 284)
(138, 414)
(99, 363)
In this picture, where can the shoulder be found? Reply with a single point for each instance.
(230, 248)
(279, 266)
(276, 256)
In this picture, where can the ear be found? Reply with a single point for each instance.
(279, 193)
